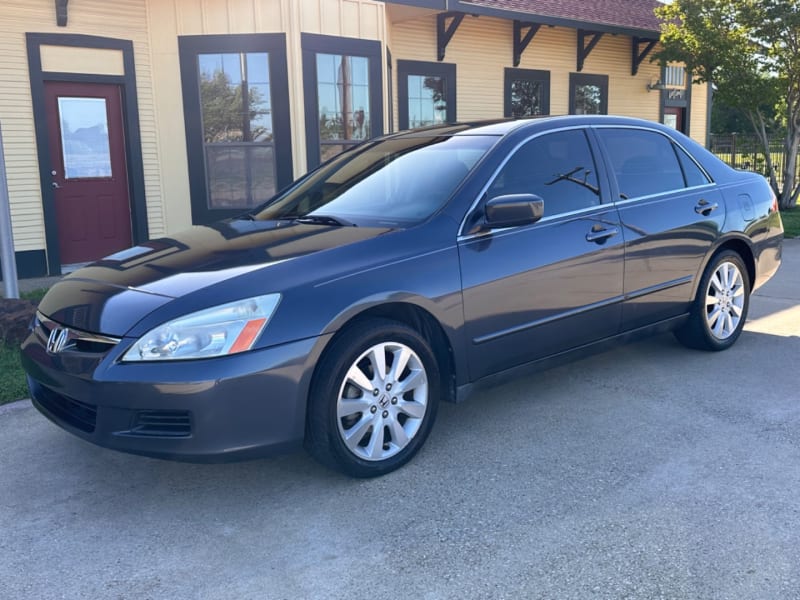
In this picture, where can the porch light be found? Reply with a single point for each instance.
(658, 85)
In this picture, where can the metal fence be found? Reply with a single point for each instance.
(746, 152)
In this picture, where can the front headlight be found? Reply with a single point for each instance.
(225, 329)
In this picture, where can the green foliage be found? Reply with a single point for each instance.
(12, 377)
(791, 222)
(750, 51)
(225, 118)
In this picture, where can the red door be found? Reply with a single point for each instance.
(88, 170)
(673, 117)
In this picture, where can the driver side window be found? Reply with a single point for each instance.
(558, 167)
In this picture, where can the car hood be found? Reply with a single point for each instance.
(112, 294)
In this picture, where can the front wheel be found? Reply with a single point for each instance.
(719, 311)
(373, 400)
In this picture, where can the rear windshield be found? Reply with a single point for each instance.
(391, 183)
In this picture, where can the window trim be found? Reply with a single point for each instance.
(512, 74)
(601, 81)
(423, 68)
(189, 48)
(313, 44)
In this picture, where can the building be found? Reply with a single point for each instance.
(131, 119)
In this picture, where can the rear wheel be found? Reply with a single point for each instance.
(374, 399)
(720, 309)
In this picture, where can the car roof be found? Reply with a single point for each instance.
(502, 127)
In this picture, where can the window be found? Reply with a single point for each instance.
(84, 137)
(342, 83)
(588, 94)
(235, 93)
(691, 172)
(527, 93)
(426, 93)
(675, 76)
(558, 167)
(644, 162)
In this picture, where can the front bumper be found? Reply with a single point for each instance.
(242, 406)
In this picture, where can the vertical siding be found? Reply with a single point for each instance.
(483, 46)
(121, 19)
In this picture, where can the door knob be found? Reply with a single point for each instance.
(55, 185)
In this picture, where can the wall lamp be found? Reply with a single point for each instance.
(658, 85)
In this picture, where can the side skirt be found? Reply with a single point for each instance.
(465, 391)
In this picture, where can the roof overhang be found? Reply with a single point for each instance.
(473, 8)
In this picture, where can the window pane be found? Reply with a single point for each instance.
(526, 97)
(588, 99)
(427, 102)
(240, 176)
(84, 137)
(343, 100)
(236, 112)
(558, 167)
(644, 162)
(691, 172)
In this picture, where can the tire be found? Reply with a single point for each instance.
(357, 421)
(719, 311)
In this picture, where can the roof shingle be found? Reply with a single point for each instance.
(626, 14)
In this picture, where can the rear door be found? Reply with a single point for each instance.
(671, 215)
(536, 290)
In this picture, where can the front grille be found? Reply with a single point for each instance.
(76, 339)
(75, 413)
(162, 423)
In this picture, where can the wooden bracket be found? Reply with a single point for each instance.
(585, 49)
(521, 41)
(638, 54)
(61, 13)
(445, 32)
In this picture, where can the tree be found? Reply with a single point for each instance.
(750, 50)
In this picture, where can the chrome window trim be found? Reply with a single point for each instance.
(461, 235)
(628, 201)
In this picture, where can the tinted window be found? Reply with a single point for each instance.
(394, 182)
(644, 162)
(558, 167)
(691, 172)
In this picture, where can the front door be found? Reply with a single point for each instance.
(88, 171)
(537, 290)
(673, 117)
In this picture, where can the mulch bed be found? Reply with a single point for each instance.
(15, 318)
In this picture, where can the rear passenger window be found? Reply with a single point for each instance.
(558, 167)
(644, 162)
(691, 172)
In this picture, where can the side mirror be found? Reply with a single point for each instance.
(513, 210)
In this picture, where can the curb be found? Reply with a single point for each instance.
(15, 405)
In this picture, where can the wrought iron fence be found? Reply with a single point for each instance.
(746, 152)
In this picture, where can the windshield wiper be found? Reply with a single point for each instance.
(325, 220)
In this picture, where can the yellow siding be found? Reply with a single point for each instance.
(697, 123)
(121, 19)
(90, 61)
(482, 47)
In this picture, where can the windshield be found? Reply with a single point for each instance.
(391, 183)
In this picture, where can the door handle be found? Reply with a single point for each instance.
(704, 207)
(55, 185)
(599, 236)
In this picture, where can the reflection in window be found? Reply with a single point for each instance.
(588, 99)
(526, 97)
(84, 137)
(427, 101)
(343, 108)
(557, 167)
(236, 110)
(644, 162)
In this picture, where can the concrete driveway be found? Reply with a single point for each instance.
(646, 472)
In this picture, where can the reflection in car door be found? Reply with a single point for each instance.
(536, 290)
(671, 215)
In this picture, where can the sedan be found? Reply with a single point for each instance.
(407, 271)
